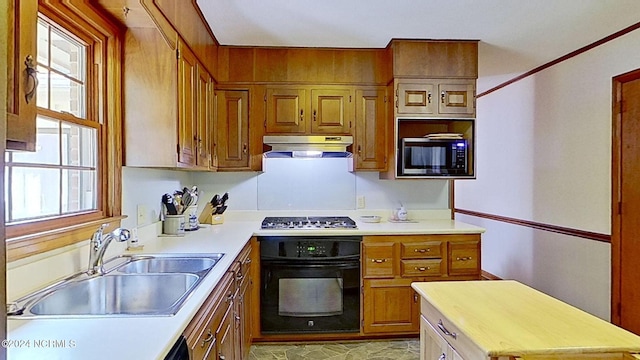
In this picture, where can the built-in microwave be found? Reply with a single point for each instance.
(433, 157)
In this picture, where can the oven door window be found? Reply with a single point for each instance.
(310, 297)
(426, 157)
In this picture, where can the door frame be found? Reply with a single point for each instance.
(616, 178)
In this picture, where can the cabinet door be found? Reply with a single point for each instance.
(370, 141)
(204, 118)
(390, 306)
(285, 110)
(457, 99)
(187, 151)
(378, 260)
(415, 98)
(225, 336)
(244, 319)
(233, 129)
(464, 258)
(21, 75)
(331, 111)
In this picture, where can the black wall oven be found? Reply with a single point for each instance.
(310, 284)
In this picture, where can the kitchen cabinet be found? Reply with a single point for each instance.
(222, 328)
(193, 111)
(232, 121)
(391, 263)
(244, 304)
(370, 145)
(309, 110)
(512, 321)
(285, 110)
(433, 345)
(435, 98)
(21, 75)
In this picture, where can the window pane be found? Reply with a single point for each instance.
(34, 193)
(67, 56)
(78, 190)
(67, 95)
(42, 97)
(79, 144)
(47, 145)
(43, 42)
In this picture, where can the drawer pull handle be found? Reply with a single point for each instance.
(207, 339)
(443, 357)
(422, 268)
(445, 331)
(248, 261)
(422, 250)
(463, 258)
(378, 261)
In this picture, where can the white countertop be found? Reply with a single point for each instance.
(152, 337)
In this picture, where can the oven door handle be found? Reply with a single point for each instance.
(318, 259)
(306, 265)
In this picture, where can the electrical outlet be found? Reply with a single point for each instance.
(142, 215)
(360, 202)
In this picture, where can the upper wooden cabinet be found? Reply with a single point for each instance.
(435, 98)
(232, 121)
(286, 108)
(309, 110)
(21, 75)
(435, 59)
(370, 134)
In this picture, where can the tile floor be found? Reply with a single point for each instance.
(352, 350)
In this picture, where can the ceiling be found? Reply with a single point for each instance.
(515, 35)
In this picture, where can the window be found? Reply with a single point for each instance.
(62, 192)
(60, 178)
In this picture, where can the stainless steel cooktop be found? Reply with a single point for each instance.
(308, 222)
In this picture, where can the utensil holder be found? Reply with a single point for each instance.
(173, 225)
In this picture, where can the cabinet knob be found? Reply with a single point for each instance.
(422, 268)
(314, 115)
(442, 95)
(244, 148)
(359, 150)
(429, 98)
(32, 78)
(221, 357)
(463, 258)
(443, 357)
(422, 250)
(378, 261)
(301, 114)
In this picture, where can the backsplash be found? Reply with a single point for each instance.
(312, 186)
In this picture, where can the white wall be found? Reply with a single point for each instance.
(544, 155)
(146, 186)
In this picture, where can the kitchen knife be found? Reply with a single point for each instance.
(220, 209)
(215, 201)
(224, 198)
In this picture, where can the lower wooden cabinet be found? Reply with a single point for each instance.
(222, 328)
(391, 263)
(390, 306)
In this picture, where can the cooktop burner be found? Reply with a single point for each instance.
(308, 222)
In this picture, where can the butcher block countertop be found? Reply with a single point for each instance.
(508, 318)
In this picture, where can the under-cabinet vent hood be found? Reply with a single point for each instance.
(308, 145)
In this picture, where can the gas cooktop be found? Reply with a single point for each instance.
(308, 222)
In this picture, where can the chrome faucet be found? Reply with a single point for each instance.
(98, 246)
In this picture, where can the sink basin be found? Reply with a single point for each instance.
(134, 285)
(167, 264)
(157, 294)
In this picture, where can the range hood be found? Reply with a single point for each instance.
(308, 145)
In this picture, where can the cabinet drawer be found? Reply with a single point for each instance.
(464, 258)
(421, 250)
(450, 333)
(421, 267)
(378, 260)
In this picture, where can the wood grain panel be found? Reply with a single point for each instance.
(429, 58)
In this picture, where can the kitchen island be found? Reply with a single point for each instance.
(505, 319)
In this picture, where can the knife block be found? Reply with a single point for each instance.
(207, 217)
